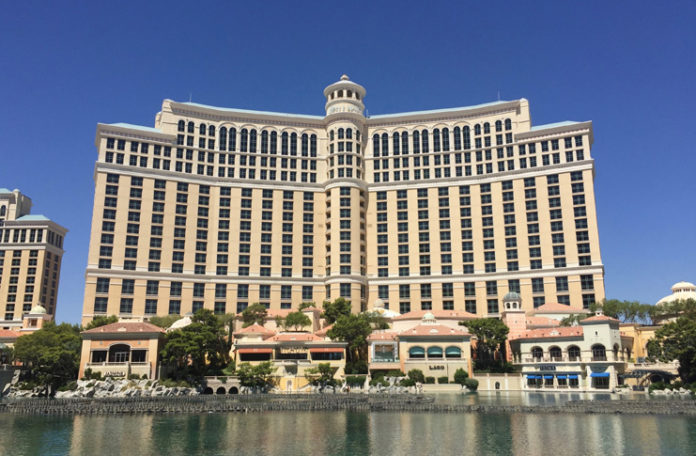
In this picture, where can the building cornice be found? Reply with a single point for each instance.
(553, 131)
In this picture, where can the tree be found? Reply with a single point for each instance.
(165, 321)
(322, 375)
(306, 305)
(353, 329)
(460, 376)
(254, 314)
(295, 320)
(259, 376)
(573, 320)
(198, 349)
(340, 307)
(416, 375)
(101, 321)
(677, 341)
(491, 335)
(51, 354)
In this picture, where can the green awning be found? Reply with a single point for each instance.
(416, 351)
(454, 352)
(435, 351)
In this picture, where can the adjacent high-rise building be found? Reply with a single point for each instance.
(447, 209)
(31, 249)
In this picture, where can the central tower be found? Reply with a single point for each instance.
(346, 193)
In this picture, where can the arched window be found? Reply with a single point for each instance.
(434, 352)
(467, 138)
(274, 142)
(508, 124)
(445, 139)
(416, 352)
(211, 130)
(201, 129)
(340, 133)
(349, 93)
(313, 145)
(436, 140)
(375, 145)
(453, 352)
(616, 352)
(305, 145)
(233, 138)
(555, 353)
(252, 141)
(457, 138)
(349, 133)
(293, 143)
(243, 140)
(498, 125)
(404, 143)
(416, 142)
(223, 138)
(599, 353)
(331, 135)
(3, 210)
(424, 141)
(537, 353)
(284, 143)
(190, 127)
(181, 126)
(573, 353)
(385, 145)
(486, 128)
(395, 144)
(119, 353)
(477, 129)
(264, 142)
(340, 94)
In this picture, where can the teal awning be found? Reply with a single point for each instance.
(416, 351)
(453, 352)
(435, 351)
(599, 374)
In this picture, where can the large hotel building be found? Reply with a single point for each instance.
(446, 210)
(31, 250)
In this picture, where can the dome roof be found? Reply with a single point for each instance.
(379, 304)
(680, 291)
(180, 323)
(37, 309)
(512, 296)
(428, 317)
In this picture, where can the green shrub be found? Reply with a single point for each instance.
(430, 380)
(460, 376)
(71, 386)
(407, 382)
(223, 379)
(134, 377)
(144, 377)
(416, 375)
(471, 384)
(379, 381)
(356, 367)
(657, 386)
(442, 380)
(395, 373)
(355, 380)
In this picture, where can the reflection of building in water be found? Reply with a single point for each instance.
(135, 434)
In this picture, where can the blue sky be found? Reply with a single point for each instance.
(628, 66)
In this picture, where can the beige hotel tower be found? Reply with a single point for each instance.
(447, 209)
(31, 250)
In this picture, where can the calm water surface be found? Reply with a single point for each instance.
(348, 433)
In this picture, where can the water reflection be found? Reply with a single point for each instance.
(348, 433)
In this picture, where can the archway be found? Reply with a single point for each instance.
(221, 390)
(234, 390)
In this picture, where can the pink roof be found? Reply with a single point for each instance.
(291, 337)
(554, 308)
(382, 335)
(599, 318)
(322, 332)
(434, 330)
(7, 334)
(542, 321)
(255, 329)
(438, 314)
(311, 308)
(550, 333)
(125, 327)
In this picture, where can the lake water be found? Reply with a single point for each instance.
(353, 433)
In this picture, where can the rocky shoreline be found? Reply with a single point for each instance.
(260, 403)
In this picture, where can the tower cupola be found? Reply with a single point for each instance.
(344, 96)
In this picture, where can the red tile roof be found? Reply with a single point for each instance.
(599, 318)
(555, 308)
(291, 337)
(434, 330)
(7, 334)
(542, 322)
(255, 329)
(125, 327)
(382, 335)
(550, 333)
(322, 332)
(438, 314)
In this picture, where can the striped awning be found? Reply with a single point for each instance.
(244, 351)
(326, 350)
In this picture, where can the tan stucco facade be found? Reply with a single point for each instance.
(443, 210)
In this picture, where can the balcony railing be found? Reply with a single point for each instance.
(385, 360)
